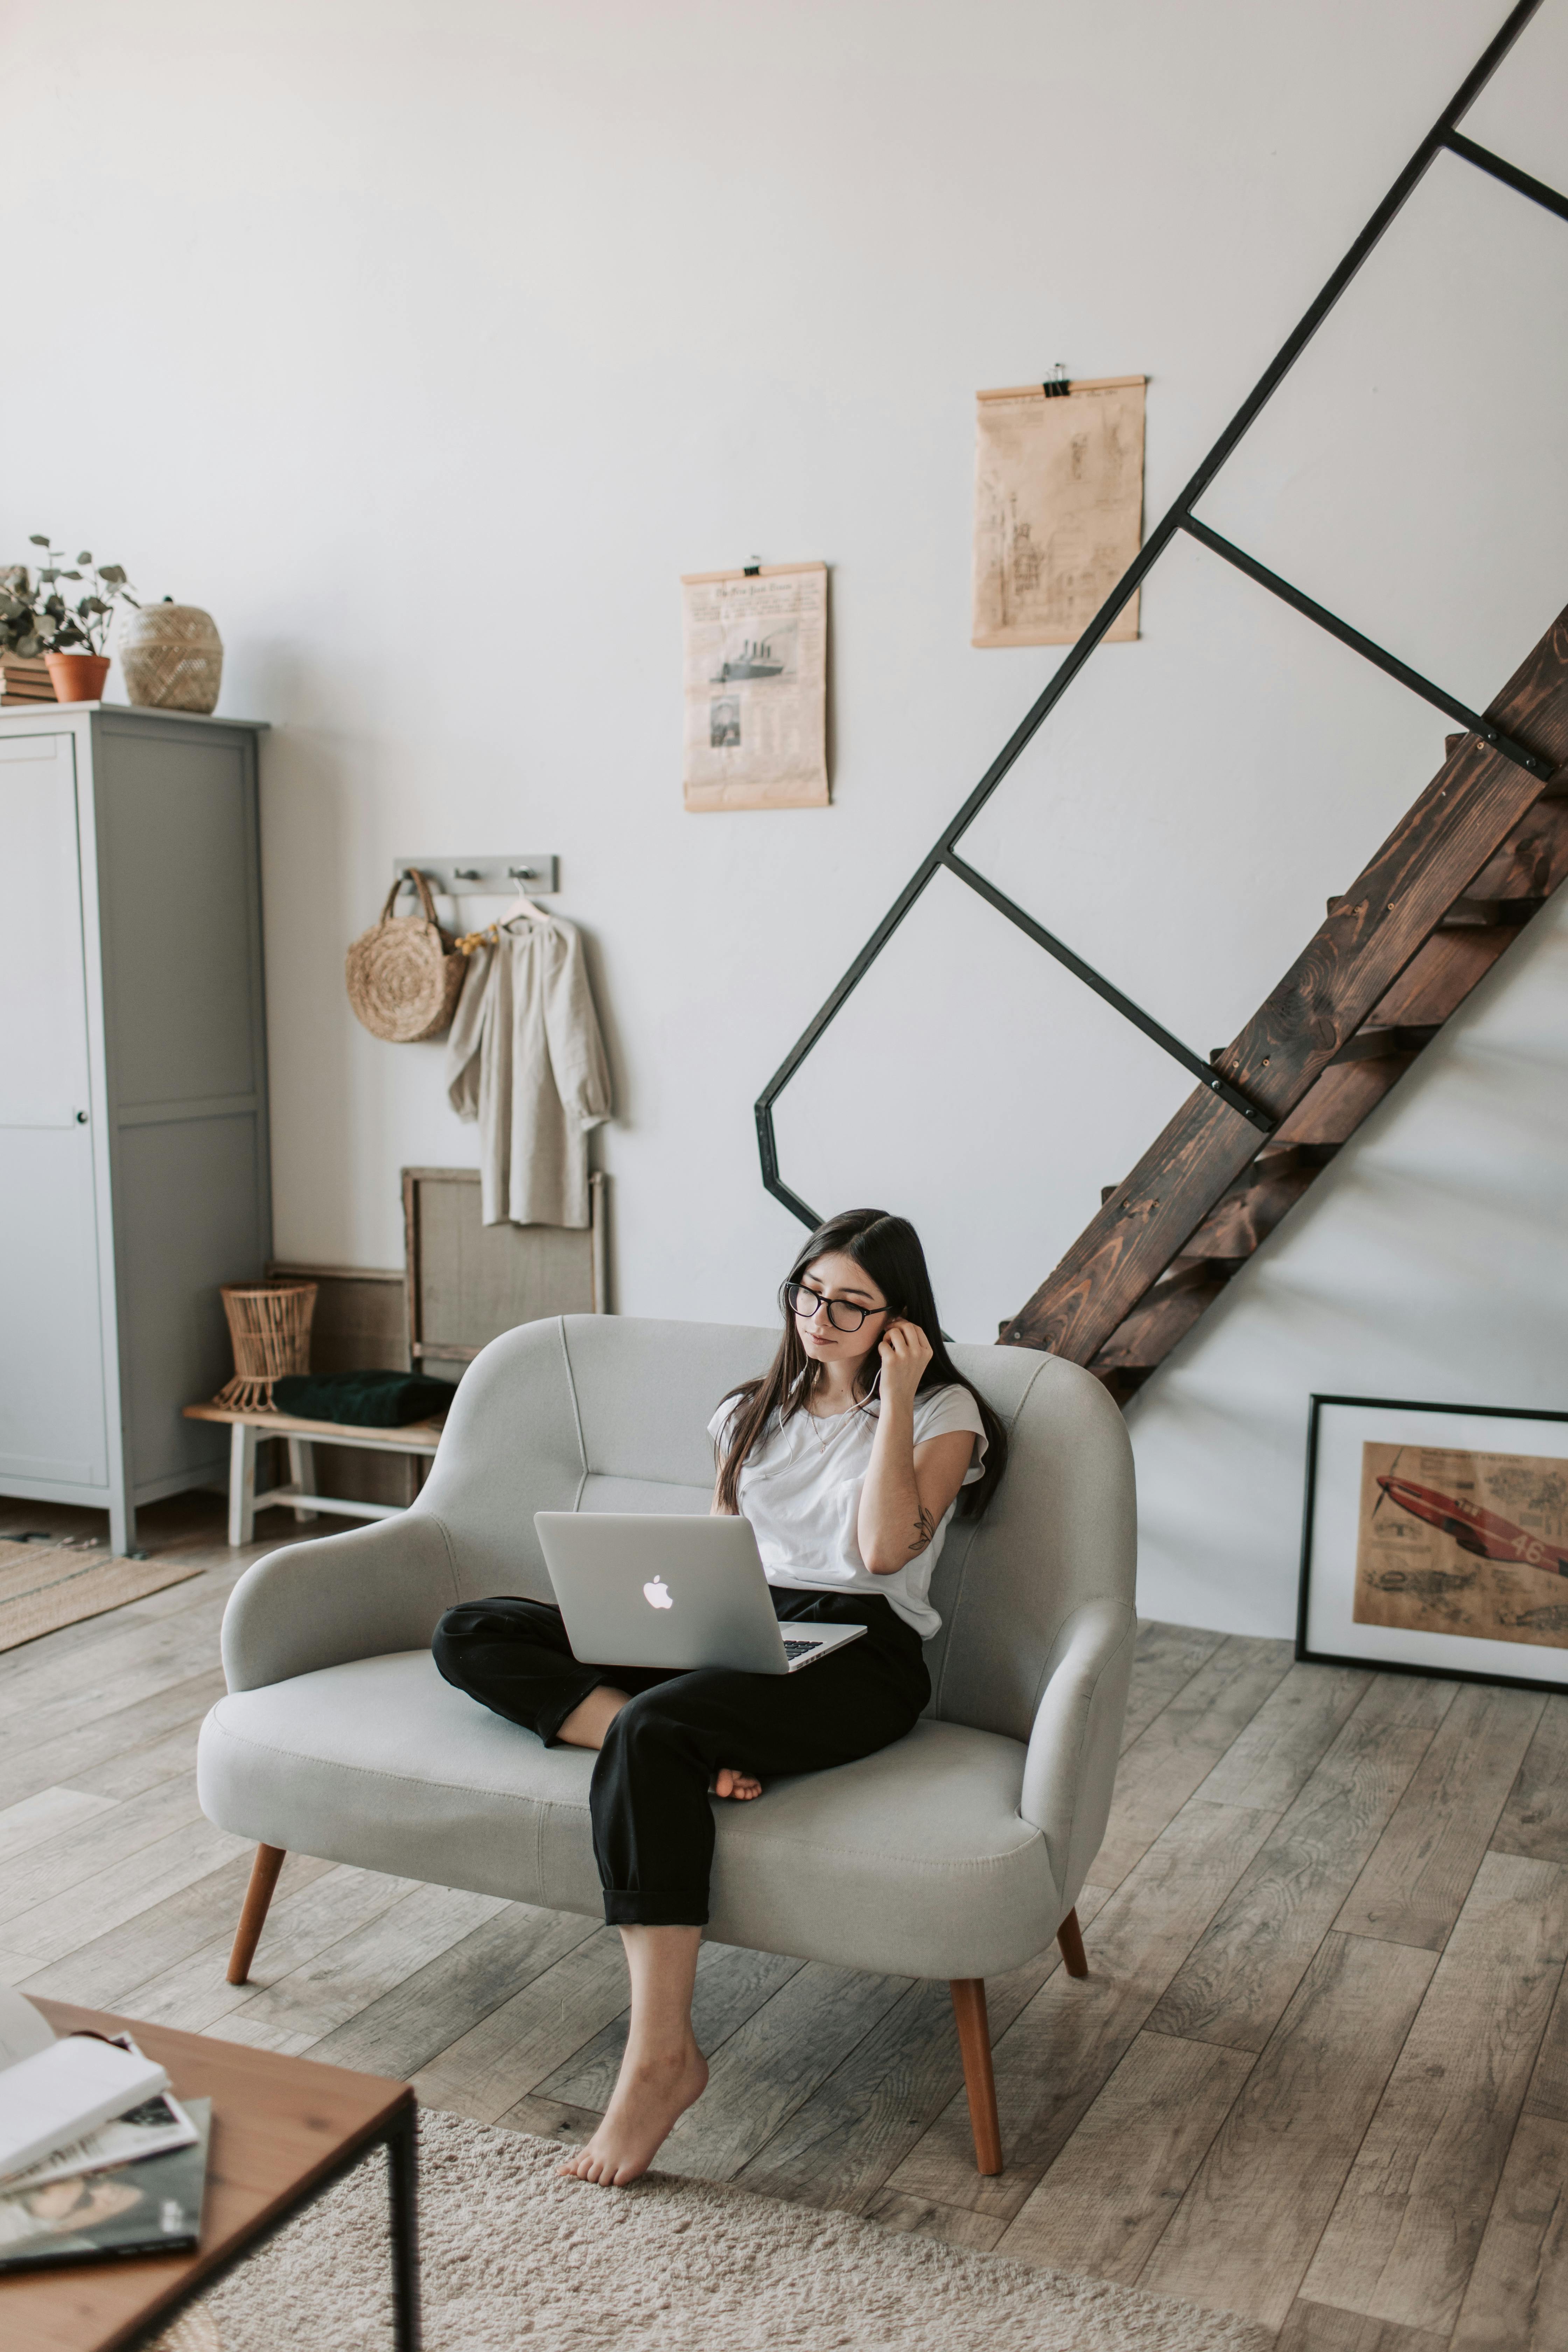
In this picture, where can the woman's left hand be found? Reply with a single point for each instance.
(905, 1351)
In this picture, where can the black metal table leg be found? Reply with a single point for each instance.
(403, 2167)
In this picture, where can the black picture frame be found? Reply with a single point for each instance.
(1305, 1654)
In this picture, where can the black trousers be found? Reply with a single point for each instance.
(653, 1821)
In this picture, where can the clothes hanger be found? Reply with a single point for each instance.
(522, 904)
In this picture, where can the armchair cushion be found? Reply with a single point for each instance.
(913, 1862)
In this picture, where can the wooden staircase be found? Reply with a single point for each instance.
(1447, 894)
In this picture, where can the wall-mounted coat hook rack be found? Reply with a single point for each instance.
(530, 870)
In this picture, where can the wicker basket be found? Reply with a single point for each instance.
(269, 1323)
(404, 975)
(171, 656)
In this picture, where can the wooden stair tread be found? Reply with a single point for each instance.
(1248, 1211)
(1342, 1098)
(1440, 977)
(1375, 1041)
(1319, 1054)
(1152, 1330)
(1532, 861)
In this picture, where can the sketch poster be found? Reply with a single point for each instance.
(1467, 1543)
(1058, 509)
(756, 687)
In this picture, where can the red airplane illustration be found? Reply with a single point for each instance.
(1484, 1533)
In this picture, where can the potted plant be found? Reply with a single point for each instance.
(36, 616)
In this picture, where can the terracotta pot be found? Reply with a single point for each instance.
(77, 678)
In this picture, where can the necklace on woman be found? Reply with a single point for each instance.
(834, 1420)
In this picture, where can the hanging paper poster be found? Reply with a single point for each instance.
(1059, 509)
(756, 687)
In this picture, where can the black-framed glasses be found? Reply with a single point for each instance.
(842, 1313)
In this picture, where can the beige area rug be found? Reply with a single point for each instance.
(512, 2257)
(45, 1586)
(195, 2330)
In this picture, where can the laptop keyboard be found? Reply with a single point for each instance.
(800, 1649)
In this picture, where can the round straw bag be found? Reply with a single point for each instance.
(405, 976)
(269, 1323)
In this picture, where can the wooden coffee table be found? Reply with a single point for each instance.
(283, 2129)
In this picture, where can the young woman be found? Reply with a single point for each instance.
(848, 1458)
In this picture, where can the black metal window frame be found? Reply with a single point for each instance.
(942, 857)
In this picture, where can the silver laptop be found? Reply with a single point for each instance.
(641, 1588)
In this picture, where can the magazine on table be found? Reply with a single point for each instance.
(152, 2206)
(97, 2155)
(155, 2127)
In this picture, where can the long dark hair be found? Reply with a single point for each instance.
(888, 1250)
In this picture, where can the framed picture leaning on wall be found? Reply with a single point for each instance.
(1435, 1540)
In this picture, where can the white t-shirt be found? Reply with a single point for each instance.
(801, 1487)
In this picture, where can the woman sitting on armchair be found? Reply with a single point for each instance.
(848, 1458)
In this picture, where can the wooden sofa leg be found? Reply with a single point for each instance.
(264, 1873)
(1069, 1936)
(975, 2044)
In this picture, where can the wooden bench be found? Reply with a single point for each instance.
(416, 1437)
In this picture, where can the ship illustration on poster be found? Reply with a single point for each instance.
(755, 668)
(754, 660)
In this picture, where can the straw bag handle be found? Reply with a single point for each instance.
(420, 884)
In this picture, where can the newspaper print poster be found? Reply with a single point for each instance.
(1058, 509)
(1453, 1541)
(756, 687)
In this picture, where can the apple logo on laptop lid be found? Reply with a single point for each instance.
(657, 1594)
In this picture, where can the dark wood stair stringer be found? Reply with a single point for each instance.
(1450, 889)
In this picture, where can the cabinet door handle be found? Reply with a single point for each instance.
(81, 1119)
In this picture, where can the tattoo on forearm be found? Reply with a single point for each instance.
(925, 1527)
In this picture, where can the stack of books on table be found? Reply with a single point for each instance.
(25, 679)
(97, 2156)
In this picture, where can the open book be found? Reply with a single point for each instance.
(76, 2104)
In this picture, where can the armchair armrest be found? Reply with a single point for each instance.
(1069, 1770)
(357, 1595)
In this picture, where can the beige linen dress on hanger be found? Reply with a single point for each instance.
(525, 1059)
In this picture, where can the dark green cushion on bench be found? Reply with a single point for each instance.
(372, 1400)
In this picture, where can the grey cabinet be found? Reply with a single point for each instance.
(133, 1142)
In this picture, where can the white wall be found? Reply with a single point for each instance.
(427, 348)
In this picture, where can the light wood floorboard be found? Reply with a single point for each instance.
(1162, 1767)
(1404, 2232)
(1236, 1982)
(1108, 2199)
(1166, 1659)
(1052, 2063)
(954, 2223)
(1317, 2074)
(852, 2132)
(1319, 2328)
(1535, 1818)
(1244, 2231)
(1420, 1871)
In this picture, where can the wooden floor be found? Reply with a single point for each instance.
(1318, 2074)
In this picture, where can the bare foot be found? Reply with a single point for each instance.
(726, 1782)
(648, 2098)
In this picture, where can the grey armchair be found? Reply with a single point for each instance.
(957, 1853)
